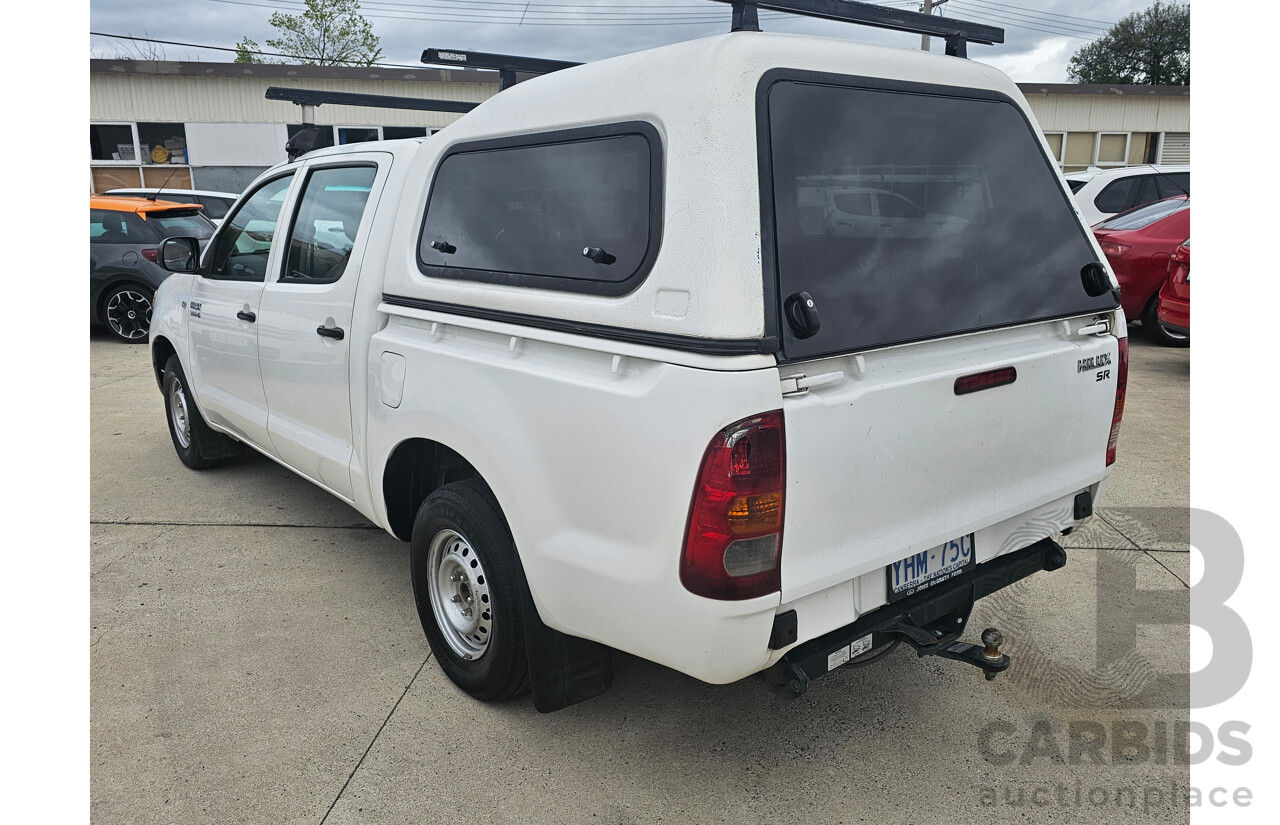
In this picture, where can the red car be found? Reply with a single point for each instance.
(1139, 245)
(1174, 313)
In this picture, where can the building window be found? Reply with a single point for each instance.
(398, 132)
(162, 143)
(323, 139)
(112, 143)
(1111, 149)
(357, 134)
(1057, 144)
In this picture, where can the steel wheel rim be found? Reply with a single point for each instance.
(459, 591)
(178, 413)
(129, 314)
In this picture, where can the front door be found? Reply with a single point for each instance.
(305, 321)
(222, 315)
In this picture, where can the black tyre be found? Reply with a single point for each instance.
(126, 310)
(468, 586)
(1152, 329)
(198, 446)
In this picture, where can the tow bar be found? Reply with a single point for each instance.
(931, 621)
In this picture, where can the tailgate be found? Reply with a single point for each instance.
(884, 459)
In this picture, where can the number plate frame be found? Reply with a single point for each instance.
(937, 570)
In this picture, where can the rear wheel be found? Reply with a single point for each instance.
(127, 311)
(1155, 331)
(198, 446)
(467, 586)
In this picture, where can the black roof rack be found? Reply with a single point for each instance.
(506, 64)
(308, 99)
(956, 32)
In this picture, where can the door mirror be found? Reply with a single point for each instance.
(1095, 278)
(179, 254)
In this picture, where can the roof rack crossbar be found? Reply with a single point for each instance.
(506, 64)
(309, 97)
(956, 32)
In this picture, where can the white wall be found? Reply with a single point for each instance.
(236, 144)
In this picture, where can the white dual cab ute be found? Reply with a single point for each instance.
(598, 352)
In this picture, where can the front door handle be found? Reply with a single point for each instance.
(335, 333)
(246, 315)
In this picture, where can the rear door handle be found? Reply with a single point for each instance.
(335, 333)
(246, 315)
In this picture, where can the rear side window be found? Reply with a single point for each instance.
(215, 208)
(108, 226)
(1076, 184)
(1118, 195)
(324, 232)
(974, 230)
(1173, 184)
(574, 214)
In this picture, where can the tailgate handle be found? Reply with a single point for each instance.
(1100, 328)
(985, 380)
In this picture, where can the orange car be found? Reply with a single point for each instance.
(124, 234)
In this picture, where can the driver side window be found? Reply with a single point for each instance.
(244, 244)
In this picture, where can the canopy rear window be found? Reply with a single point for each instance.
(909, 216)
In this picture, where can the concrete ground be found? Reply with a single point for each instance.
(256, 657)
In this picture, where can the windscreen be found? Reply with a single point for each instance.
(181, 225)
(911, 216)
(1144, 216)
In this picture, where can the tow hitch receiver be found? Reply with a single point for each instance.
(931, 621)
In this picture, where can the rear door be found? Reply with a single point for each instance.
(305, 331)
(887, 455)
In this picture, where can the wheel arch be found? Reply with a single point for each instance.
(416, 468)
(161, 351)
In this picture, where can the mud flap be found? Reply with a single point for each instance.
(563, 670)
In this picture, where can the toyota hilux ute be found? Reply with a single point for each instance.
(598, 353)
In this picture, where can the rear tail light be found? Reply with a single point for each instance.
(149, 254)
(733, 547)
(1117, 412)
(1112, 249)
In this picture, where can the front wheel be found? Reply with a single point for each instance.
(467, 587)
(127, 312)
(197, 445)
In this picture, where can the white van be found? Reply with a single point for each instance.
(593, 353)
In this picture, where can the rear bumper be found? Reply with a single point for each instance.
(942, 612)
(1174, 314)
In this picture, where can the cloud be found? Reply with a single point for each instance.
(1037, 44)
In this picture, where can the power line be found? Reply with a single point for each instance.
(1016, 23)
(1037, 20)
(1106, 23)
(226, 49)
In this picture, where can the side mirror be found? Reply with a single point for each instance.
(179, 254)
(1095, 278)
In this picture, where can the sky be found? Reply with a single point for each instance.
(1040, 35)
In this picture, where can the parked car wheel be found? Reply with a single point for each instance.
(1156, 331)
(127, 311)
(468, 587)
(198, 446)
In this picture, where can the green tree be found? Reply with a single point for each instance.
(1150, 47)
(327, 33)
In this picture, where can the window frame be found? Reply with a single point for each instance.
(1097, 146)
(133, 130)
(613, 289)
(1062, 147)
(773, 300)
(206, 264)
(281, 275)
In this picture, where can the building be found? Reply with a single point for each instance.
(210, 126)
(1109, 126)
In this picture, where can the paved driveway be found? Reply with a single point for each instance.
(256, 657)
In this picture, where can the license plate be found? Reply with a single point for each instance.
(927, 568)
